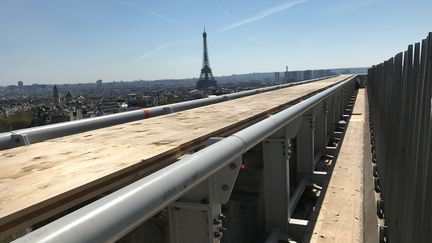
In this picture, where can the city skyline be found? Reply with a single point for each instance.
(80, 41)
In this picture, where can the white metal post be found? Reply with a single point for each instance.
(321, 128)
(331, 117)
(197, 216)
(305, 147)
(276, 180)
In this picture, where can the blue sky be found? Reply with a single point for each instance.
(52, 41)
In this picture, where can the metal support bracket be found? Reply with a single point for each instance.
(331, 116)
(197, 216)
(321, 129)
(305, 147)
(20, 139)
(276, 154)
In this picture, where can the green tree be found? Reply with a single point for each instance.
(18, 120)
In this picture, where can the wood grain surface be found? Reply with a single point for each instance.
(340, 218)
(45, 178)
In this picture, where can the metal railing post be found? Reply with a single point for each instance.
(331, 116)
(305, 147)
(276, 177)
(337, 108)
(276, 180)
(321, 138)
(197, 216)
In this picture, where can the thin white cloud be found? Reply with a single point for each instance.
(349, 6)
(262, 15)
(157, 50)
(172, 21)
(367, 3)
(225, 12)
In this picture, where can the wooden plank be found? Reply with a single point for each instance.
(42, 179)
(340, 217)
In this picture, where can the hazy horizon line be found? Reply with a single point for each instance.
(170, 79)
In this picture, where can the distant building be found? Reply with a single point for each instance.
(307, 74)
(107, 108)
(56, 97)
(286, 74)
(297, 75)
(68, 97)
(99, 83)
(277, 77)
(57, 118)
(346, 71)
(318, 73)
(20, 83)
(197, 94)
(206, 79)
(75, 114)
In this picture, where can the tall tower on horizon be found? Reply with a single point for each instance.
(56, 94)
(206, 79)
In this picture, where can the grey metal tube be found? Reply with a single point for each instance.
(42, 133)
(111, 217)
(115, 215)
(5, 138)
(268, 126)
(297, 195)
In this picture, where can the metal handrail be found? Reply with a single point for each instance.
(113, 216)
(37, 134)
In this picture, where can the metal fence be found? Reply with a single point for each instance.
(400, 103)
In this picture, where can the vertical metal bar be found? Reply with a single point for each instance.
(392, 201)
(427, 170)
(331, 120)
(305, 147)
(406, 157)
(321, 129)
(400, 96)
(276, 180)
(423, 127)
(413, 128)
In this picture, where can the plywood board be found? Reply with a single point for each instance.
(39, 180)
(340, 218)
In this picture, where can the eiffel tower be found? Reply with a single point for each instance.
(206, 79)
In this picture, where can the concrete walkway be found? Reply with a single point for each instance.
(341, 216)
